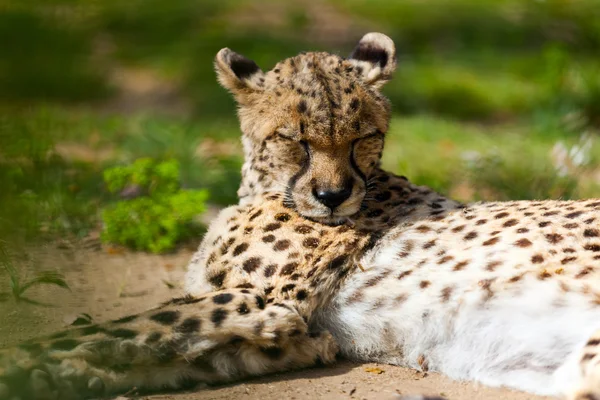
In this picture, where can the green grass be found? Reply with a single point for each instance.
(484, 162)
(20, 284)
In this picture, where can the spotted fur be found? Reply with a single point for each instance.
(328, 253)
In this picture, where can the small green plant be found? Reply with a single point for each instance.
(160, 214)
(18, 286)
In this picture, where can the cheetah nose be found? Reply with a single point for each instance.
(333, 198)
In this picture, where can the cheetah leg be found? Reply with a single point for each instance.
(219, 337)
(588, 387)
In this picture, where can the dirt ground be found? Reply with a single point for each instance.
(108, 283)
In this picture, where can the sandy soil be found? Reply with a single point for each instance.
(108, 283)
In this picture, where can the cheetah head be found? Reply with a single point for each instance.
(313, 127)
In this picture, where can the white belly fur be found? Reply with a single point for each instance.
(526, 336)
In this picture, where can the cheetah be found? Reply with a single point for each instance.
(328, 254)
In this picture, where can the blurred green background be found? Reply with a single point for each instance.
(492, 99)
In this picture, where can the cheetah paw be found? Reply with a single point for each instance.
(39, 384)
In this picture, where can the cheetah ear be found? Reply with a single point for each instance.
(375, 54)
(238, 74)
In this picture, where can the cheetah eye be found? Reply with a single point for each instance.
(285, 137)
(303, 143)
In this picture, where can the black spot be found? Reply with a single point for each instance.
(241, 66)
(591, 233)
(218, 316)
(537, 259)
(491, 241)
(567, 260)
(311, 243)
(218, 278)
(281, 245)
(303, 229)
(370, 53)
(404, 274)
(187, 299)
(592, 247)
(593, 342)
(243, 309)
(239, 249)
(122, 333)
(471, 235)
(554, 238)
(271, 227)
(268, 238)
(283, 217)
(429, 244)
(289, 268)
(588, 356)
(222, 298)
(251, 264)
(270, 270)
(301, 295)
(302, 107)
(189, 325)
(288, 287)
(337, 262)
(354, 103)
(165, 317)
(574, 214)
(123, 320)
(256, 214)
(64, 344)
(458, 228)
(523, 243)
(260, 303)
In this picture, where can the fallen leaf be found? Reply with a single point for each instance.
(114, 250)
(169, 266)
(374, 370)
